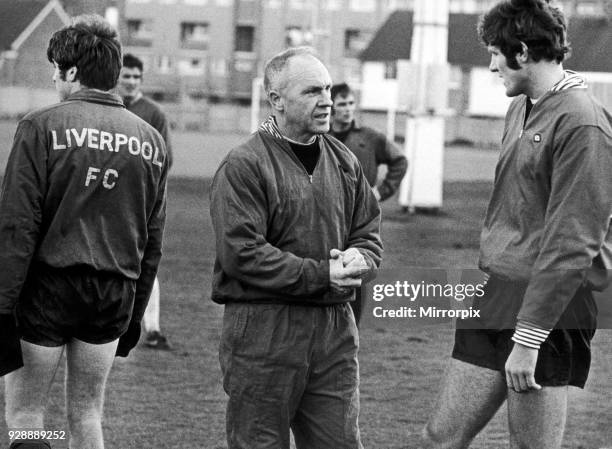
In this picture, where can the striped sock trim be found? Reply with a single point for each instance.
(529, 335)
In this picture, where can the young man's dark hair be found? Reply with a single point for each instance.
(541, 26)
(341, 89)
(131, 61)
(92, 46)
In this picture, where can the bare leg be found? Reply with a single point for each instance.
(151, 315)
(88, 369)
(27, 389)
(537, 418)
(470, 397)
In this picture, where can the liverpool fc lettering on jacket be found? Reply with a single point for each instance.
(83, 159)
(97, 139)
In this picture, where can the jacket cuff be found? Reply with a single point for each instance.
(530, 335)
(384, 191)
(323, 274)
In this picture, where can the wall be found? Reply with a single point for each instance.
(166, 25)
(17, 101)
(31, 68)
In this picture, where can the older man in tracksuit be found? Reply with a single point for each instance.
(296, 225)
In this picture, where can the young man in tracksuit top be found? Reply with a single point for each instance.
(297, 227)
(82, 212)
(130, 82)
(546, 242)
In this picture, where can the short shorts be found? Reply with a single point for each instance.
(57, 305)
(563, 359)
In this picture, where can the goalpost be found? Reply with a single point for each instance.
(256, 96)
(427, 104)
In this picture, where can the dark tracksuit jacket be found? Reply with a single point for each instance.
(548, 220)
(275, 225)
(84, 186)
(150, 112)
(373, 149)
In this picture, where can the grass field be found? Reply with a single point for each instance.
(197, 155)
(174, 399)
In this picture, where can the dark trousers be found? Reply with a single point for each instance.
(290, 367)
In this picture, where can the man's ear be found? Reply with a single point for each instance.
(523, 56)
(276, 100)
(71, 74)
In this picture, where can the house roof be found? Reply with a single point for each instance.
(392, 40)
(591, 37)
(18, 18)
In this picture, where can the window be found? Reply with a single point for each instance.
(273, 4)
(218, 67)
(332, 5)
(245, 38)
(390, 70)
(455, 77)
(469, 6)
(591, 8)
(191, 67)
(363, 5)
(297, 36)
(355, 41)
(297, 4)
(140, 32)
(194, 35)
(164, 64)
(244, 65)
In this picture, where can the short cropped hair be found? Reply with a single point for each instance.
(541, 26)
(275, 66)
(131, 61)
(92, 46)
(342, 89)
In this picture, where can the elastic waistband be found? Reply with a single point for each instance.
(77, 270)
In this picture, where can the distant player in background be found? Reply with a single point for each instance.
(82, 213)
(130, 81)
(372, 150)
(546, 242)
(371, 147)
